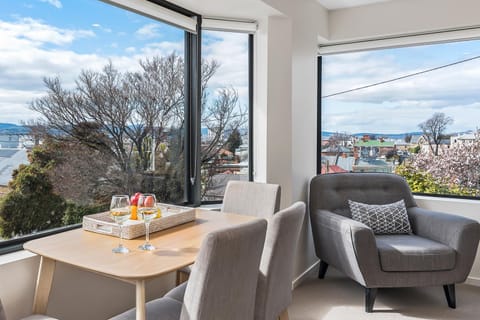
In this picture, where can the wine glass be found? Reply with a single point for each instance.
(147, 211)
(120, 212)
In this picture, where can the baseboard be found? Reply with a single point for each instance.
(298, 280)
(473, 281)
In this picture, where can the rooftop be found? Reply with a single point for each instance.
(375, 143)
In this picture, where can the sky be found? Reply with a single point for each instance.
(400, 106)
(50, 38)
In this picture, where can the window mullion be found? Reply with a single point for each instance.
(193, 115)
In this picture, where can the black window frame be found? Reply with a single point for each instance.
(319, 138)
(251, 59)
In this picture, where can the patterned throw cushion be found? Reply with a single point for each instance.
(389, 218)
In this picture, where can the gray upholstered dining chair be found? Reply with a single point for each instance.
(215, 290)
(251, 198)
(274, 290)
(2, 312)
(248, 198)
(436, 249)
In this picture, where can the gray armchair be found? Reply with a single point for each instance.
(440, 250)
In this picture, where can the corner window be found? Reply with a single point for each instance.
(97, 100)
(412, 111)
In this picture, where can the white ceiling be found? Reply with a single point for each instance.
(339, 4)
(251, 9)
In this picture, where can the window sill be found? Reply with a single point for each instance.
(446, 199)
(15, 256)
(213, 206)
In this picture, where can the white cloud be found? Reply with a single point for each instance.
(99, 26)
(397, 106)
(148, 31)
(130, 50)
(55, 3)
(161, 49)
(31, 50)
(36, 33)
(231, 51)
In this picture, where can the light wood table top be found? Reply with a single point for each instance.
(175, 248)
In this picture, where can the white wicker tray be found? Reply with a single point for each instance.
(171, 216)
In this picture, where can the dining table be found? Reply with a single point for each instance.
(175, 248)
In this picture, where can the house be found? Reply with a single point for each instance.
(9, 141)
(332, 169)
(373, 148)
(425, 146)
(289, 38)
(463, 138)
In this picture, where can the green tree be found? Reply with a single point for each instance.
(74, 212)
(234, 140)
(419, 181)
(408, 137)
(31, 205)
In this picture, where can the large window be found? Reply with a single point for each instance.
(225, 105)
(96, 100)
(412, 111)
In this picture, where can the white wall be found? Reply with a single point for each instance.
(18, 274)
(75, 295)
(401, 17)
(277, 121)
(289, 102)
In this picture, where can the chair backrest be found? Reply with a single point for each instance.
(274, 289)
(332, 191)
(251, 198)
(2, 312)
(224, 278)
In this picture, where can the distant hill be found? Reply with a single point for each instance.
(393, 136)
(10, 128)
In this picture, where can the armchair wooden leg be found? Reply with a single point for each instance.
(370, 295)
(181, 277)
(449, 290)
(283, 315)
(322, 270)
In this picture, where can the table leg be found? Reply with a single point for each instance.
(140, 299)
(43, 286)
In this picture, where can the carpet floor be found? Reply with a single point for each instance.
(339, 298)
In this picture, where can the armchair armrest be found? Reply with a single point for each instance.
(449, 229)
(459, 233)
(346, 244)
